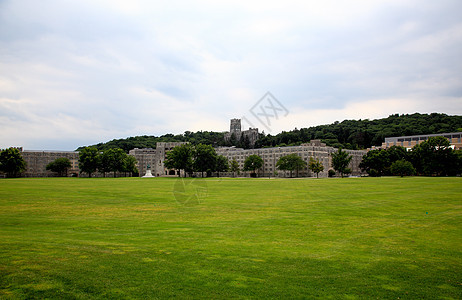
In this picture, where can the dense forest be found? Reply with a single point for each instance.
(349, 134)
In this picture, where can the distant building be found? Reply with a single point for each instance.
(155, 158)
(410, 141)
(235, 133)
(270, 157)
(37, 161)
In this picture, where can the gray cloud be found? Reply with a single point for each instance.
(75, 73)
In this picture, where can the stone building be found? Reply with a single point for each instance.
(37, 160)
(155, 159)
(235, 130)
(270, 156)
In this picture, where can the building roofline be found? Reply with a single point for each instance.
(50, 151)
(421, 135)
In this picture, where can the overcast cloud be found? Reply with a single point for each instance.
(75, 73)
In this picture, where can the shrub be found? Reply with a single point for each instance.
(373, 173)
(402, 168)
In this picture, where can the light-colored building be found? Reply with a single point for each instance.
(410, 141)
(155, 159)
(37, 160)
(270, 157)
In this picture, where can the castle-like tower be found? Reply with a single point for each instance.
(235, 126)
(235, 129)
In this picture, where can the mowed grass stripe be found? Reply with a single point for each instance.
(244, 238)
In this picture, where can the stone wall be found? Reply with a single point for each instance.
(38, 160)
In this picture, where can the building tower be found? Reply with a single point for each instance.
(235, 126)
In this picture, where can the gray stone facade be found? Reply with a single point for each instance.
(38, 160)
(155, 158)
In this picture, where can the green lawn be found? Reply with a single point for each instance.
(231, 238)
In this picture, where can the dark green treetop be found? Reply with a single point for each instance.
(11, 162)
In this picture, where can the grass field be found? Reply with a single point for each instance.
(231, 238)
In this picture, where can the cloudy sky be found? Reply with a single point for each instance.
(76, 73)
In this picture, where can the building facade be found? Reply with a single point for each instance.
(410, 141)
(37, 161)
(270, 157)
(154, 159)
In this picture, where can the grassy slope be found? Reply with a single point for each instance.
(358, 238)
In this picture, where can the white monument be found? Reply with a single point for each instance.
(148, 172)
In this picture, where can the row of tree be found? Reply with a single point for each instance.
(204, 159)
(433, 157)
(113, 160)
(348, 134)
(196, 158)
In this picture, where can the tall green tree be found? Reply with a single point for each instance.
(435, 157)
(315, 166)
(402, 168)
(222, 164)
(374, 162)
(234, 167)
(113, 160)
(205, 158)
(60, 165)
(378, 162)
(290, 163)
(129, 165)
(89, 160)
(104, 163)
(11, 162)
(180, 158)
(253, 163)
(340, 161)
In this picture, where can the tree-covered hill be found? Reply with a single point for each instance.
(361, 134)
(350, 134)
(145, 141)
